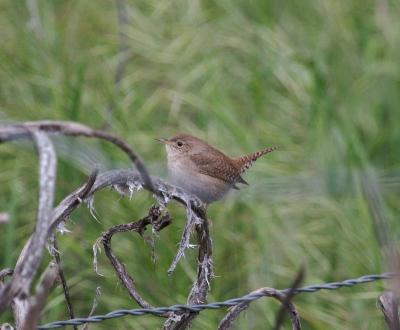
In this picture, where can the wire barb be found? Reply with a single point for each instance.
(216, 305)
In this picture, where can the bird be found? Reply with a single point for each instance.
(204, 171)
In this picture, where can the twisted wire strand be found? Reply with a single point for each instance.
(216, 305)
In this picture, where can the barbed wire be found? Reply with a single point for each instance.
(216, 305)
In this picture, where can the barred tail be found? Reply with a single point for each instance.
(243, 163)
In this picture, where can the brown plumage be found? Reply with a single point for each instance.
(243, 163)
(203, 170)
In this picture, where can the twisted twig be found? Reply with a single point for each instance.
(155, 218)
(57, 259)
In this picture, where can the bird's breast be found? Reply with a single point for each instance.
(183, 174)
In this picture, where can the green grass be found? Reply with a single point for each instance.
(318, 78)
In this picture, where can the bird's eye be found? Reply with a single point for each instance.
(179, 144)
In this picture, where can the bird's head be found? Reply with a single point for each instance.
(182, 144)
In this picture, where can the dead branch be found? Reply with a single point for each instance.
(284, 298)
(110, 178)
(32, 259)
(234, 312)
(27, 310)
(201, 286)
(57, 259)
(389, 306)
(388, 302)
(126, 179)
(9, 132)
(191, 220)
(195, 209)
(31, 255)
(280, 317)
(154, 218)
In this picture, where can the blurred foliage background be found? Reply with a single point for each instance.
(321, 79)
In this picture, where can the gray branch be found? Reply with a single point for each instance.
(154, 218)
(57, 258)
(27, 310)
(234, 312)
(286, 304)
(389, 306)
(13, 131)
(29, 260)
(195, 208)
(59, 214)
(201, 286)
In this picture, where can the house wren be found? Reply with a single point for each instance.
(204, 171)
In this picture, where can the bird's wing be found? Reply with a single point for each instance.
(217, 166)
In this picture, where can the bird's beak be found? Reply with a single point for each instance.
(163, 140)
